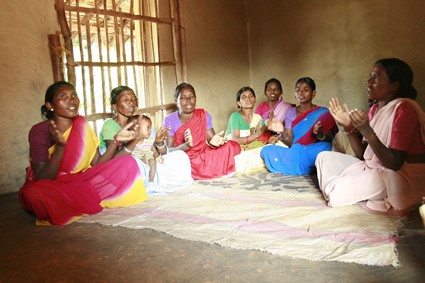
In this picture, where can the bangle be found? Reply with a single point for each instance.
(322, 138)
(159, 147)
(127, 150)
(371, 137)
(54, 161)
(117, 143)
(350, 131)
(287, 135)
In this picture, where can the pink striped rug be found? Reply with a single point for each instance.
(282, 215)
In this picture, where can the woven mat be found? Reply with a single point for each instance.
(282, 215)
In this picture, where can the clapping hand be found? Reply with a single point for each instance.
(162, 135)
(273, 124)
(188, 139)
(55, 135)
(125, 134)
(218, 140)
(360, 120)
(317, 127)
(340, 113)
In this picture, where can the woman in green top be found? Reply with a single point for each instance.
(173, 171)
(246, 127)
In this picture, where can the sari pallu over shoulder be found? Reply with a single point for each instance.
(79, 189)
(402, 189)
(299, 159)
(302, 126)
(206, 162)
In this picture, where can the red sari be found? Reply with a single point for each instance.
(206, 162)
(78, 188)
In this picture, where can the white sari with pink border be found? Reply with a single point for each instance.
(346, 180)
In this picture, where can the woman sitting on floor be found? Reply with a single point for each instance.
(273, 92)
(249, 130)
(390, 158)
(68, 178)
(246, 127)
(210, 154)
(173, 171)
(166, 173)
(309, 129)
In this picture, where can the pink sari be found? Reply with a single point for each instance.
(346, 180)
(78, 188)
(279, 110)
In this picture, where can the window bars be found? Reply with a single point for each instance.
(107, 43)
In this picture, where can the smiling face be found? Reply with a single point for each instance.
(126, 103)
(379, 86)
(186, 101)
(273, 91)
(247, 100)
(304, 92)
(65, 102)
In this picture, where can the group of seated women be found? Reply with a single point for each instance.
(74, 173)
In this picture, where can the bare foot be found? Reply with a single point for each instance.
(391, 211)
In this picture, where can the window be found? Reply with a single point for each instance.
(108, 43)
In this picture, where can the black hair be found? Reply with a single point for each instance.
(308, 81)
(180, 87)
(116, 92)
(399, 71)
(50, 94)
(242, 90)
(273, 80)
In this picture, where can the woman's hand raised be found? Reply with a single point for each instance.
(340, 113)
(55, 135)
(360, 121)
(125, 134)
(188, 139)
(274, 125)
(162, 135)
(317, 127)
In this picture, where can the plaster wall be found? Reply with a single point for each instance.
(334, 42)
(25, 73)
(217, 54)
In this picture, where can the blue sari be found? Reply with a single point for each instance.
(299, 159)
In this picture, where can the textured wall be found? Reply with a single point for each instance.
(217, 54)
(25, 72)
(334, 42)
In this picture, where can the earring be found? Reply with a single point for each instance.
(51, 109)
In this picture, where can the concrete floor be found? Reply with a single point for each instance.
(94, 253)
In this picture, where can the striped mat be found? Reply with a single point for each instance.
(282, 215)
